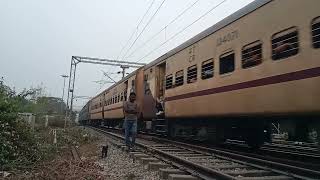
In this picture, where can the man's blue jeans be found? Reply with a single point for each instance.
(130, 132)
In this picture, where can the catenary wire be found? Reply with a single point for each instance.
(154, 14)
(136, 29)
(156, 34)
(172, 37)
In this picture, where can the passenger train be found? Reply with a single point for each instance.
(254, 70)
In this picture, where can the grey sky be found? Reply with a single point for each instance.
(38, 37)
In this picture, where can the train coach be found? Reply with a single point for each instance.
(254, 69)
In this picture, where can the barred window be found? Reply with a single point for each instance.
(316, 32)
(285, 44)
(132, 83)
(179, 78)
(169, 80)
(252, 54)
(227, 64)
(121, 96)
(207, 69)
(192, 74)
(125, 95)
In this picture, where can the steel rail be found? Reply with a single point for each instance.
(277, 168)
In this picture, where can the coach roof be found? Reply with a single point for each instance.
(216, 27)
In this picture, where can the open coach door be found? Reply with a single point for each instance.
(139, 90)
(160, 125)
(145, 99)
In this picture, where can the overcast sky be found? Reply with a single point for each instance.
(38, 37)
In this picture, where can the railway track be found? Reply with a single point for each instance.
(206, 163)
(311, 151)
(301, 155)
(294, 154)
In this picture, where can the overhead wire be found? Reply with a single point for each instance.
(154, 14)
(164, 28)
(136, 29)
(172, 37)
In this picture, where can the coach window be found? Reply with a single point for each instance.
(192, 74)
(132, 83)
(285, 44)
(316, 32)
(169, 79)
(121, 97)
(252, 54)
(118, 97)
(227, 63)
(125, 95)
(207, 69)
(179, 78)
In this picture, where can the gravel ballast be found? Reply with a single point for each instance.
(118, 164)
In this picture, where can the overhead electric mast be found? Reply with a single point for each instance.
(90, 60)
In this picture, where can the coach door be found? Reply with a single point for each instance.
(160, 78)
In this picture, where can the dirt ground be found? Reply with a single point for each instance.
(117, 165)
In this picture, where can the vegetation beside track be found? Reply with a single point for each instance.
(24, 150)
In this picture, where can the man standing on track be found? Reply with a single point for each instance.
(131, 110)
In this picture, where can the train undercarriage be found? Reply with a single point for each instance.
(254, 131)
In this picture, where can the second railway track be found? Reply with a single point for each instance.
(208, 163)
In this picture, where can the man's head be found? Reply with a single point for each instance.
(132, 97)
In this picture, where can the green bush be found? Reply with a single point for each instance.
(18, 146)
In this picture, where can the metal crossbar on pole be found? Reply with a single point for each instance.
(90, 60)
